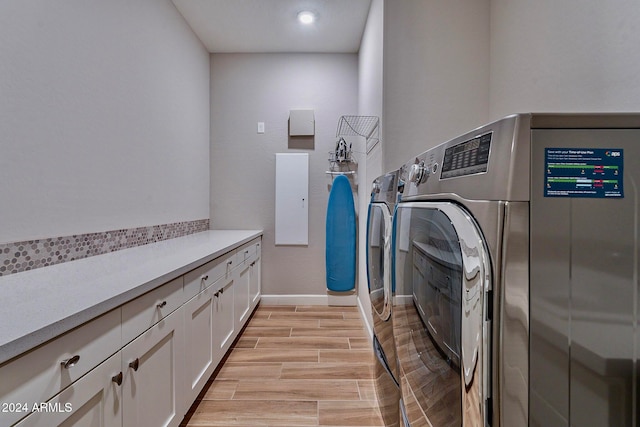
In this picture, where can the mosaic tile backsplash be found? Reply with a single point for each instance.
(23, 256)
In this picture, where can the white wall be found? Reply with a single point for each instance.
(104, 117)
(572, 55)
(436, 73)
(246, 89)
(369, 104)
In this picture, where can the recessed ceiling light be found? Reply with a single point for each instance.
(306, 17)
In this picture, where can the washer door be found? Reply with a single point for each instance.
(441, 274)
(379, 259)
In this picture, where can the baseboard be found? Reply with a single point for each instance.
(294, 300)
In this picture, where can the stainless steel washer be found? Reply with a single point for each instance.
(383, 199)
(515, 263)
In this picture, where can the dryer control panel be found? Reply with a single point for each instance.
(467, 158)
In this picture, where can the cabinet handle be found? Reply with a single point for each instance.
(230, 262)
(162, 304)
(246, 252)
(71, 362)
(135, 364)
(117, 378)
(222, 290)
(252, 264)
(216, 294)
(205, 277)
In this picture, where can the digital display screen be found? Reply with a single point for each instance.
(467, 158)
(584, 172)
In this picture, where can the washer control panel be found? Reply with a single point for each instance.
(467, 158)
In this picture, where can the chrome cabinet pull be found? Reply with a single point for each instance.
(162, 304)
(135, 364)
(117, 378)
(71, 362)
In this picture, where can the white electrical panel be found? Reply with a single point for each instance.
(292, 199)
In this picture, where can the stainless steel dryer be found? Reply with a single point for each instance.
(383, 200)
(516, 273)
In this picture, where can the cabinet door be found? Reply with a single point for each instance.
(199, 346)
(223, 318)
(254, 280)
(152, 364)
(241, 295)
(93, 401)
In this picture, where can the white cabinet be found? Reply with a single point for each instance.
(152, 367)
(93, 401)
(199, 279)
(143, 363)
(199, 345)
(241, 295)
(40, 374)
(145, 311)
(223, 318)
(255, 282)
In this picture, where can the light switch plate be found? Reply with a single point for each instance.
(260, 127)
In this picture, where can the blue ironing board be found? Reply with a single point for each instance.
(341, 237)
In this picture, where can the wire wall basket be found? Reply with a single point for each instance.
(365, 126)
(341, 161)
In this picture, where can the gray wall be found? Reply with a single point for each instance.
(436, 73)
(572, 55)
(104, 118)
(452, 66)
(246, 89)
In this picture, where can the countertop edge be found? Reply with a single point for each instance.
(24, 343)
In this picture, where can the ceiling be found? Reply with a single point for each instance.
(270, 26)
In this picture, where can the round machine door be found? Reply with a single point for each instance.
(441, 274)
(379, 259)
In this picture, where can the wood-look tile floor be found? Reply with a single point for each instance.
(294, 366)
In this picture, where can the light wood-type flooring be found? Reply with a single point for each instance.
(294, 366)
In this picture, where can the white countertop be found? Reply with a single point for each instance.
(40, 304)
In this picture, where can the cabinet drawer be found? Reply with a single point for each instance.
(39, 374)
(93, 400)
(243, 255)
(248, 251)
(147, 310)
(204, 276)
